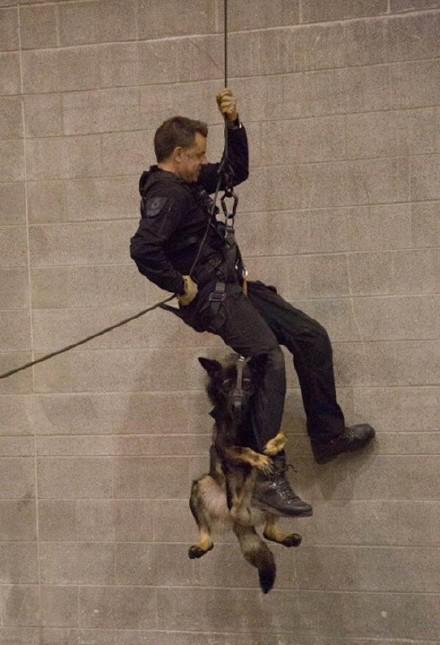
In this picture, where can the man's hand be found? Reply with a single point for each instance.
(191, 291)
(227, 104)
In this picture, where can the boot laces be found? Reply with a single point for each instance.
(281, 481)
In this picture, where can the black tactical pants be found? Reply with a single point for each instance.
(259, 323)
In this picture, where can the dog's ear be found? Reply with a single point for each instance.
(210, 365)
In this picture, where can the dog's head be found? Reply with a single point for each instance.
(232, 384)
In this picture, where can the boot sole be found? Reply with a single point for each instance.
(271, 509)
(326, 458)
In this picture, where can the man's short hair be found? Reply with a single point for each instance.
(177, 131)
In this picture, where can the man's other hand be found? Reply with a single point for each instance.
(191, 291)
(227, 104)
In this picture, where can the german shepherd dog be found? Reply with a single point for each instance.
(224, 495)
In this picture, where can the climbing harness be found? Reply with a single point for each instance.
(224, 175)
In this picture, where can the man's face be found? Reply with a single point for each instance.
(190, 160)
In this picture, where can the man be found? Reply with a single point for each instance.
(182, 249)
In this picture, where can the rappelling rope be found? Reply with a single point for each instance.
(163, 303)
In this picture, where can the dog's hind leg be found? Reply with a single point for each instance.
(258, 554)
(203, 519)
(273, 533)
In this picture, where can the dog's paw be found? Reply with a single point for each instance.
(294, 539)
(264, 464)
(275, 445)
(196, 551)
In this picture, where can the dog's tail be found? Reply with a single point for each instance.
(258, 554)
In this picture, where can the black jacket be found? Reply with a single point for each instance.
(174, 217)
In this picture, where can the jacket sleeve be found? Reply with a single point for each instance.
(161, 217)
(238, 157)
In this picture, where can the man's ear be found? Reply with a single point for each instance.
(210, 365)
(177, 154)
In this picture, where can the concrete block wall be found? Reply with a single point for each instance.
(98, 446)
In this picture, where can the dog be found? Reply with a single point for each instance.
(224, 495)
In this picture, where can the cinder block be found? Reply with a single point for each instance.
(15, 331)
(411, 5)
(13, 243)
(371, 228)
(18, 635)
(167, 19)
(17, 478)
(10, 116)
(83, 199)
(117, 607)
(18, 563)
(397, 318)
(102, 111)
(80, 244)
(85, 520)
(131, 147)
(396, 522)
(17, 447)
(388, 363)
(364, 42)
(8, 29)
(75, 446)
(72, 478)
(394, 272)
(415, 83)
(119, 371)
(413, 37)
(66, 636)
(153, 565)
(158, 60)
(410, 443)
(198, 58)
(10, 66)
(134, 519)
(95, 22)
(12, 159)
(83, 563)
(17, 520)
(57, 328)
(119, 65)
(88, 286)
(59, 606)
(158, 413)
(221, 610)
(154, 478)
(425, 219)
(43, 115)
(277, 233)
(381, 615)
(391, 133)
(60, 70)
(303, 140)
(405, 409)
(68, 157)
(367, 569)
(20, 605)
(12, 203)
(262, 15)
(20, 383)
(46, 201)
(424, 177)
(321, 11)
(38, 27)
(14, 418)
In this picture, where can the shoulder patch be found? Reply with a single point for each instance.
(154, 206)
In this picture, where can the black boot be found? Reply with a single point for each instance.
(273, 493)
(353, 438)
